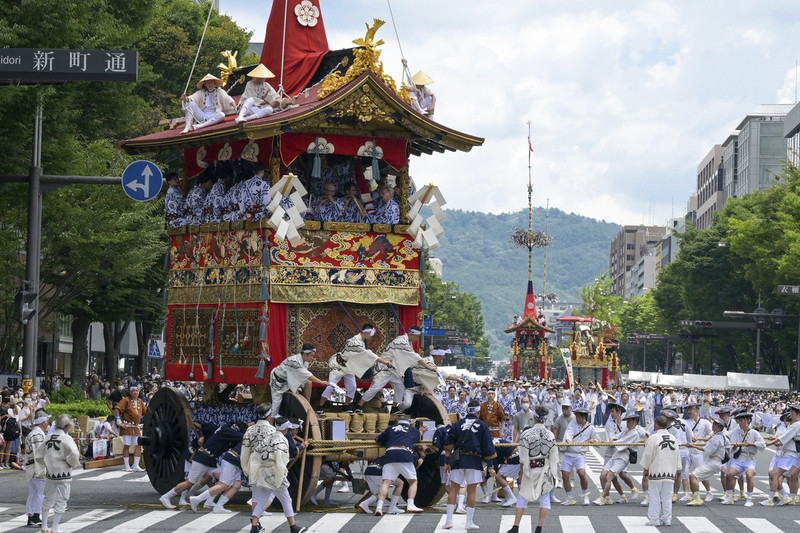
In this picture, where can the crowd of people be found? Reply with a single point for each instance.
(240, 192)
(534, 433)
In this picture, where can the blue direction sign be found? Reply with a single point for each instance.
(142, 180)
(155, 351)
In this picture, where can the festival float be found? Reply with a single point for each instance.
(590, 353)
(243, 295)
(530, 356)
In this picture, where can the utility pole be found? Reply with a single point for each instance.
(33, 249)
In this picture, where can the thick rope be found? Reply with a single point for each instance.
(406, 72)
(203, 36)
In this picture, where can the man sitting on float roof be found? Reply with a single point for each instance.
(259, 98)
(208, 105)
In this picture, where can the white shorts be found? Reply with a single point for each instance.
(615, 465)
(445, 477)
(544, 501)
(229, 474)
(695, 460)
(686, 461)
(775, 460)
(707, 470)
(578, 462)
(374, 483)
(198, 471)
(130, 440)
(187, 466)
(464, 476)
(786, 463)
(511, 471)
(741, 467)
(393, 470)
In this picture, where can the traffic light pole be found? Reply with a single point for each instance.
(33, 249)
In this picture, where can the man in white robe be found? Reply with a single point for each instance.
(351, 363)
(259, 98)
(538, 456)
(292, 374)
(208, 105)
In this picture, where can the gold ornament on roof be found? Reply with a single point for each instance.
(366, 58)
(225, 71)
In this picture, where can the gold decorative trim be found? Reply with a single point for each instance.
(312, 225)
(353, 227)
(294, 294)
(382, 228)
(365, 58)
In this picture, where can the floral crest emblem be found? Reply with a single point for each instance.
(370, 149)
(321, 147)
(307, 13)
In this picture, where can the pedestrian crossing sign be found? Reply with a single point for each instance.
(155, 352)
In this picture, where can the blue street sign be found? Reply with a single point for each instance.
(141, 181)
(435, 332)
(468, 350)
(155, 352)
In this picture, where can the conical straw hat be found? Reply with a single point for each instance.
(261, 72)
(208, 77)
(420, 78)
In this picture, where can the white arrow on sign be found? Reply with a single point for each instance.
(145, 186)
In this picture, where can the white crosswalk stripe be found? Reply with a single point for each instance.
(760, 525)
(14, 523)
(507, 520)
(115, 474)
(143, 522)
(206, 522)
(90, 518)
(331, 522)
(576, 523)
(635, 524)
(135, 521)
(699, 524)
(392, 523)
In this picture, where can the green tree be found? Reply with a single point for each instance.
(449, 306)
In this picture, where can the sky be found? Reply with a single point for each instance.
(625, 98)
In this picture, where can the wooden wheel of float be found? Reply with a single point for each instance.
(166, 438)
(295, 405)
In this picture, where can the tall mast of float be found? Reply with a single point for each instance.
(530, 208)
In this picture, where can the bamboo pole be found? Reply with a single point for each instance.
(303, 464)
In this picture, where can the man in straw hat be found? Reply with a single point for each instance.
(714, 454)
(259, 98)
(208, 105)
(743, 457)
(701, 430)
(621, 457)
(424, 99)
(787, 442)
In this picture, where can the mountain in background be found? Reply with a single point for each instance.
(477, 254)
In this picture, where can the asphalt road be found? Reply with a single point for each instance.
(110, 500)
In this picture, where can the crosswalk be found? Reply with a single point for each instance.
(136, 521)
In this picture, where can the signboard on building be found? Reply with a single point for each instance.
(47, 65)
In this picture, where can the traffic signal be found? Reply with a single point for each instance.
(23, 305)
(632, 340)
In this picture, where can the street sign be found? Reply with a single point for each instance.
(43, 65)
(468, 350)
(789, 290)
(142, 180)
(697, 323)
(155, 351)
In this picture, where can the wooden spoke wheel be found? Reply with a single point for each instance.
(295, 405)
(166, 437)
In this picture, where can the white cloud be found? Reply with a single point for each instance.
(625, 98)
